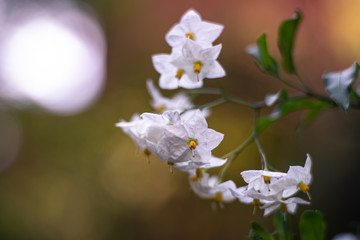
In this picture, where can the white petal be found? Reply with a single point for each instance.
(168, 81)
(211, 53)
(185, 82)
(208, 32)
(214, 70)
(190, 17)
(270, 208)
(291, 208)
(210, 139)
(289, 191)
(161, 63)
(251, 175)
(192, 50)
(176, 36)
(196, 125)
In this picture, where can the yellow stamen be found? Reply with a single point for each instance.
(256, 202)
(197, 67)
(283, 207)
(267, 179)
(190, 35)
(147, 152)
(160, 108)
(195, 179)
(199, 173)
(218, 197)
(179, 73)
(303, 187)
(192, 144)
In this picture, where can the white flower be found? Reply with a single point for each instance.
(192, 27)
(199, 63)
(272, 202)
(192, 140)
(345, 236)
(179, 102)
(286, 205)
(251, 196)
(265, 182)
(171, 76)
(207, 187)
(191, 167)
(298, 178)
(131, 128)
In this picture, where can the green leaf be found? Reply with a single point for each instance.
(259, 233)
(338, 85)
(312, 226)
(286, 36)
(286, 107)
(281, 226)
(354, 94)
(312, 114)
(263, 59)
(270, 99)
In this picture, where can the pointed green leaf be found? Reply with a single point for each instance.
(263, 59)
(281, 226)
(338, 85)
(270, 99)
(311, 115)
(312, 226)
(286, 107)
(258, 232)
(286, 36)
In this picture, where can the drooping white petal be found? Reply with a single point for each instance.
(270, 209)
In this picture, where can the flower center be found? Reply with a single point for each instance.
(192, 144)
(190, 35)
(160, 108)
(218, 197)
(199, 174)
(256, 202)
(197, 67)
(303, 187)
(147, 152)
(267, 179)
(283, 207)
(179, 73)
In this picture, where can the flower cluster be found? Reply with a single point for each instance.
(193, 57)
(270, 190)
(178, 133)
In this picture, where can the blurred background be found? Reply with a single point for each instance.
(70, 70)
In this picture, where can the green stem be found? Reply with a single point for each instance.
(240, 101)
(258, 144)
(211, 104)
(214, 91)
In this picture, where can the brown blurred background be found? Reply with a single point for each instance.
(76, 176)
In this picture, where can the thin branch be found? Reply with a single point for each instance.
(261, 150)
